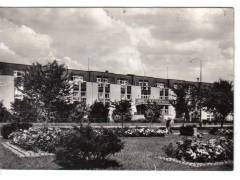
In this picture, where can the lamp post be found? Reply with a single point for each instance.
(200, 91)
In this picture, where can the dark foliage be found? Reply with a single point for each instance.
(24, 111)
(152, 112)
(12, 127)
(187, 130)
(187, 100)
(5, 115)
(78, 110)
(98, 112)
(122, 111)
(46, 88)
(219, 99)
(84, 148)
(169, 150)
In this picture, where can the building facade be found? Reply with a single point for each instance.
(91, 86)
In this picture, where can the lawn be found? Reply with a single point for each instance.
(138, 154)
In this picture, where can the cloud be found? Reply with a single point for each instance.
(135, 40)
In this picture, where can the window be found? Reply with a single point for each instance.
(75, 96)
(107, 95)
(102, 80)
(122, 82)
(83, 93)
(160, 85)
(79, 88)
(18, 84)
(164, 93)
(210, 116)
(145, 96)
(129, 96)
(107, 88)
(100, 95)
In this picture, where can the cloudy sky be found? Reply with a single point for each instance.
(129, 41)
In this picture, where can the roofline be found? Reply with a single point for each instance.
(111, 73)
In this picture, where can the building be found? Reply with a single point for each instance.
(89, 86)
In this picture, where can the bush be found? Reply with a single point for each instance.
(24, 111)
(7, 129)
(213, 150)
(122, 111)
(98, 112)
(187, 130)
(85, 148)
(5, 115)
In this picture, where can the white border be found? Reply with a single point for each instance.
(14, 174)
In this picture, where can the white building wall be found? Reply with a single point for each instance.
(92, 92)
(7, 90)
(155, 93)
(115, 92)
(136, 92)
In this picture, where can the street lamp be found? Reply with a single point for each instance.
(200, 83)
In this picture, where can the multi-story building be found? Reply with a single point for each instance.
(91, 86)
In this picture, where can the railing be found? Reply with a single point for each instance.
(158, 101)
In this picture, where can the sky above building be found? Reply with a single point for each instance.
(141, 41)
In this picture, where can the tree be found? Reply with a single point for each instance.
(46, 87)
(98, 112)
(152, 111)
(219, 99)
(79, 109)
(187, 99)
(122, 111)
(24, 110)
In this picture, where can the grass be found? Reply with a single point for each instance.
(138, 154)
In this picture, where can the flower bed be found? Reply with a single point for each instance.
(221, 132)
(37, 139)
(140, 132)
(46, 139)
(194, 150)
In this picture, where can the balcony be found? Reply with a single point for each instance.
(146, 101)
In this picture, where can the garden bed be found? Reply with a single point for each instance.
(194, 164)
(23, 153)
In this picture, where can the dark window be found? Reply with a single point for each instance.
(166, 92)
(83, 86)
(107, 88)
(161, 92)
(122, 90)
(129, 89)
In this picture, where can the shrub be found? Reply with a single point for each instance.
(24, 111)
(85, 148)
(194, 150)
(98, 112)
(7, 129)
(187, 130)
(5, 115)
(122, 111)
(78, 111)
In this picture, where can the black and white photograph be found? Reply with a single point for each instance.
(117, 88)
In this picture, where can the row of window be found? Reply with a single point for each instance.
(79, 88)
